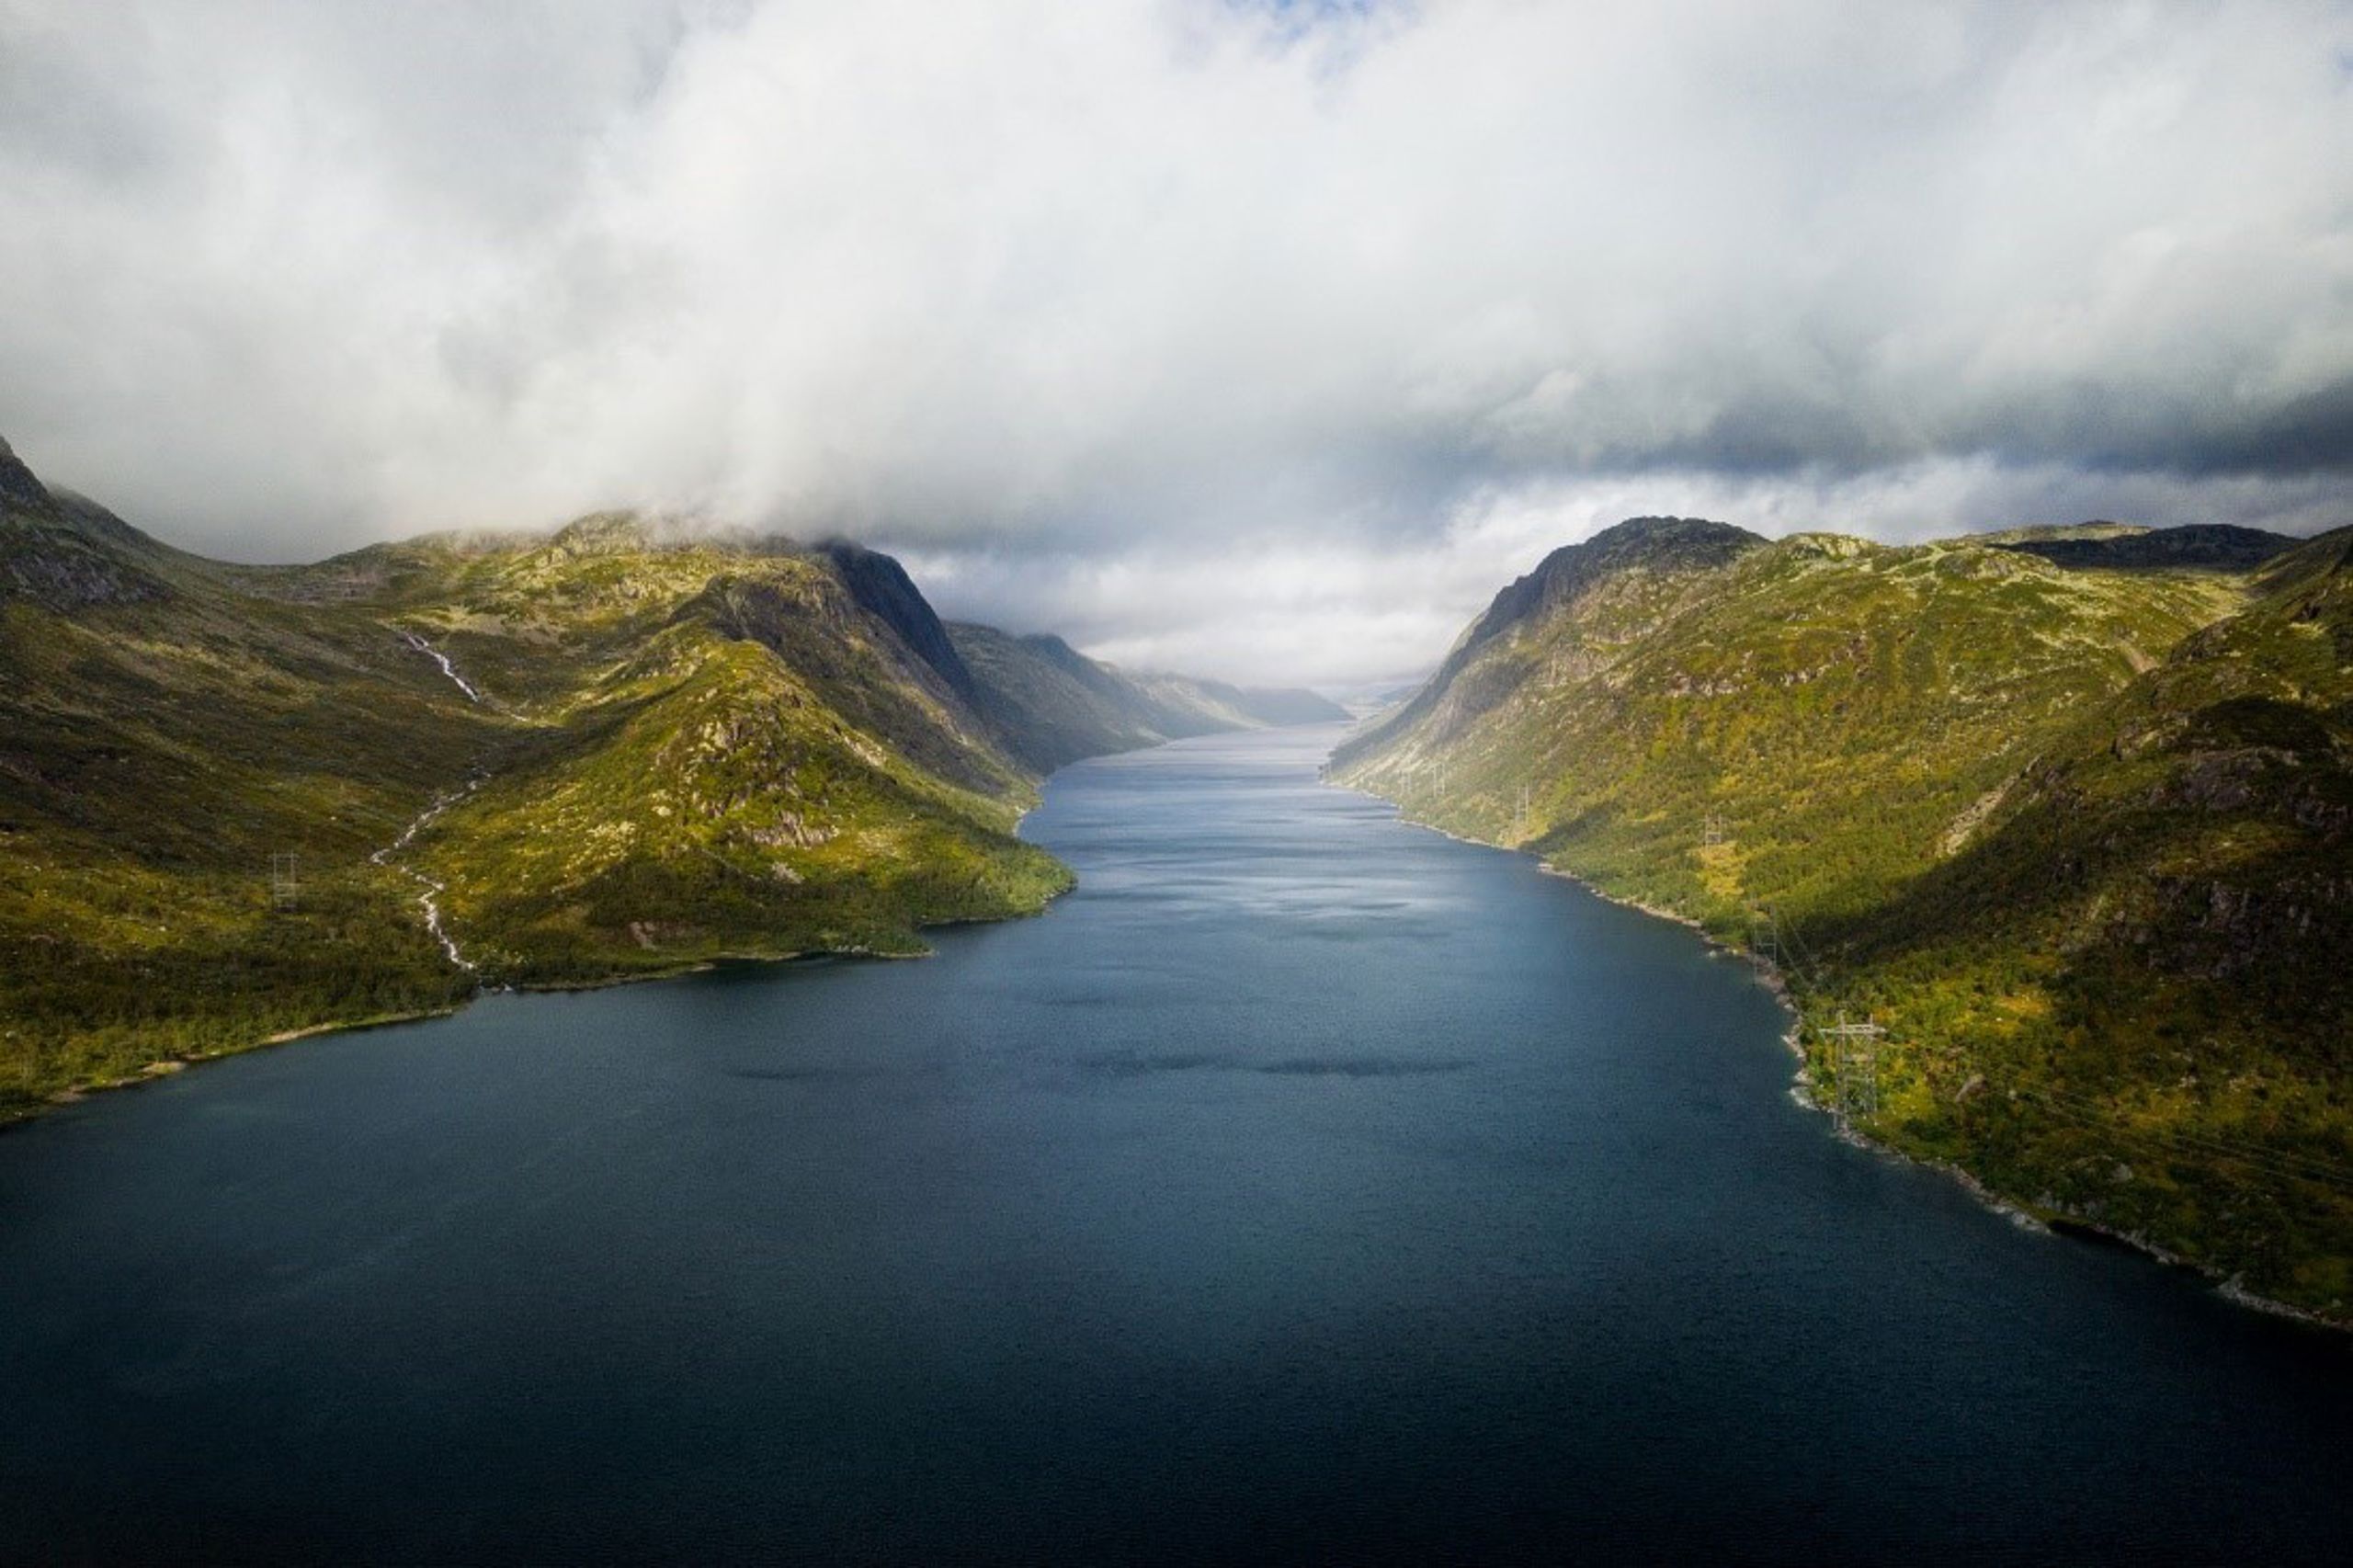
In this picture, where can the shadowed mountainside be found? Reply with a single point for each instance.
(2221, 546)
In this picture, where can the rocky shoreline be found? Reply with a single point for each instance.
(2017, 1211)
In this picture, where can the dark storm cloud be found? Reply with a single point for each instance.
(2310, 432)
(1236, 333)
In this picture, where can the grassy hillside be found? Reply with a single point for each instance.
(2074, 835)
(710, 750)
(614, 751)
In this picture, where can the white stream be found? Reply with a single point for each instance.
(442, 659)
(428, 900)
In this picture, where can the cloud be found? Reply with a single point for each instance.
(1210, 333)
(1334, 612)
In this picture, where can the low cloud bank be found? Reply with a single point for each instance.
(1260, 339)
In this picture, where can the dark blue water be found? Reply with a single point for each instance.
(1305, 1186)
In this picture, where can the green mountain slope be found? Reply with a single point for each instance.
(2074, 835)
(711, 749)
(617, 750)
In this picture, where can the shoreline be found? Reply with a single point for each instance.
(165, 1067)
(171, 1066)
(2017, 1211)
(36, 1111)
(2026, 1216)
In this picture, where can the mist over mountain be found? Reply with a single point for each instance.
(1253, 339)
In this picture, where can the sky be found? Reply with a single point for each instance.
(1257, 340)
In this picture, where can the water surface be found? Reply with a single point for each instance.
(1304, 1185)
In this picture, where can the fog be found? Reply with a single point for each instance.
(1260, 340)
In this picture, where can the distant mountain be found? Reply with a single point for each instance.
(1279, 707)
(2098, 528)
(2079, 836)
(1210, 705)
(619, 749)
(1050, 704)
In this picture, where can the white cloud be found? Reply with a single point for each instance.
(1338, 613)
(1210, 332)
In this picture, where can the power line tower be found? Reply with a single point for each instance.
(1765, 937)
(1712, 832)
(1854, 1082)
(285, 887)
(1519, 832)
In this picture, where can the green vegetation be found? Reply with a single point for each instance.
(2076, 833)
(676, 748)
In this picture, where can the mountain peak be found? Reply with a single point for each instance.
(1670, 536)
(604, 533)
(1651, 543)
(18, 485)
(1654, 543)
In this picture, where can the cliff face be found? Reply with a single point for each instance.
(2076, 835)
(882, 587)
(614, 750)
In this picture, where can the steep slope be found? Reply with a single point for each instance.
(2138, 955)
(1054, 704)
(616, 750)
(1980, 792)
(61, 552)
(882, 587)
